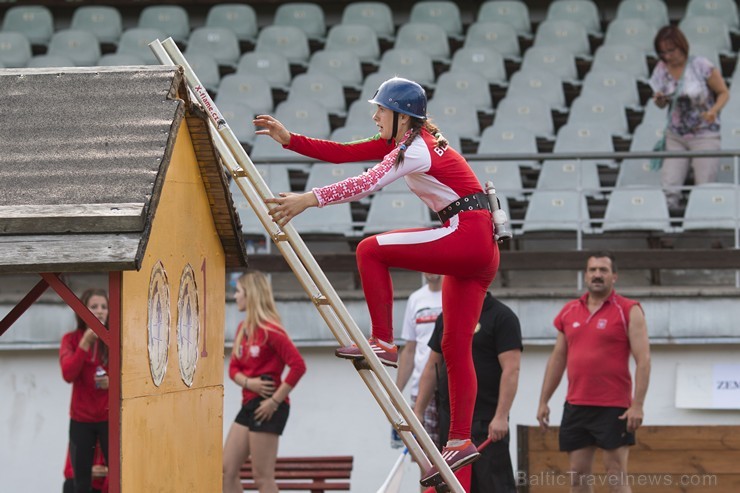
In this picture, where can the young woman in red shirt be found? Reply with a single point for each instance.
(84, 361)
(262, 350)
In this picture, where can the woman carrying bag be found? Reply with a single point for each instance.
(695, 92)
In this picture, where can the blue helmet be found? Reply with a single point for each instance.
(402, 96)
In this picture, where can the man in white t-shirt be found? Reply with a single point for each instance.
(422, 309)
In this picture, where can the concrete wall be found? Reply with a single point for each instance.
(333, 412)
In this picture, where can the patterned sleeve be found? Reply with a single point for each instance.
(375, 178)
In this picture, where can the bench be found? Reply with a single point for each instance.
(314, 474)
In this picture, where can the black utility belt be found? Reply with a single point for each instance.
(473, 202)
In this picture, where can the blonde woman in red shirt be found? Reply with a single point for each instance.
(262, 350)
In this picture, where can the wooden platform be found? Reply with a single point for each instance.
(666, 459)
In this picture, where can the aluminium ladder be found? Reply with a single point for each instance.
(312, 278)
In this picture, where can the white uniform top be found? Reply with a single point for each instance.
(422, 310)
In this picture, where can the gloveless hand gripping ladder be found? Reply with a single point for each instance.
(311, 277)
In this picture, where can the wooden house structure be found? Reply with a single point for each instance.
(114, 170)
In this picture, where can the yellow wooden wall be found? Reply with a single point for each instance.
(171, 435)
(665, 459)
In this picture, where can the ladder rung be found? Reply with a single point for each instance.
(320, 300)
(239, 173)
(276, 237)
(403, 426)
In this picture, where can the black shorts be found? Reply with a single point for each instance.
(275, 425)
(584, 426)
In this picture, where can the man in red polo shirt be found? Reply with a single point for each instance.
(596, 334)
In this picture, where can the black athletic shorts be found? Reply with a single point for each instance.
(275, 425)
(584, 426)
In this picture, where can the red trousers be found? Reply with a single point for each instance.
(463, 250)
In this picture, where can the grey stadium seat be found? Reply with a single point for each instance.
(357, 38)
(494, 35)
(172, 19)
(36, 22)
(712, 206)
(409, 63)
(583, 12)
(443, 13)
(251, 89)
(240, 19)
(428, 38)
(82, 47)
(376, 15)
(556, 210)
(512, 12)
(637, 209)
(271, 65)
(569, 35)
(553, 59)
(485, 61)
(136, 40)
(290, 41)
(219, 42)
(654, 12)
(533, 82)
(104, 22)
(530, 112)
(321, 88)
(307, 16)
(344, 65)
(15, 49)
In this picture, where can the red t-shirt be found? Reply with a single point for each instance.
(269, 354)
(598, 351)
(89, 404)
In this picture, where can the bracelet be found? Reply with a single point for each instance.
(276, 402)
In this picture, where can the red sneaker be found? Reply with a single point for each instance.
(455, 457)
(388, 357)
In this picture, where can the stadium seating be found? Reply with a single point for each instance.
(443, 13)
(241, 19)
(376, 15)
(104, 22)
(173, 20)
(219, 42)
(583, 12)
(306, 16)
(35, 22)
(82, 47)
(15, 49)
(511, 12)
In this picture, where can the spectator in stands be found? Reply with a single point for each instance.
(695, 92)
(462, 249)
(596, 334)
(99, 473)
(497, 350)
(84, 361)
(262, 350)
(422, 309)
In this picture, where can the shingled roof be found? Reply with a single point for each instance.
(83, 155)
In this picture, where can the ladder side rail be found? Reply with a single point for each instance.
(169, 48)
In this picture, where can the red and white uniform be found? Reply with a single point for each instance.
(269, 354)
(598, 351)
(89, 404)
(463, 249)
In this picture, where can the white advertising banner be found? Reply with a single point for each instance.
(708, 386)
